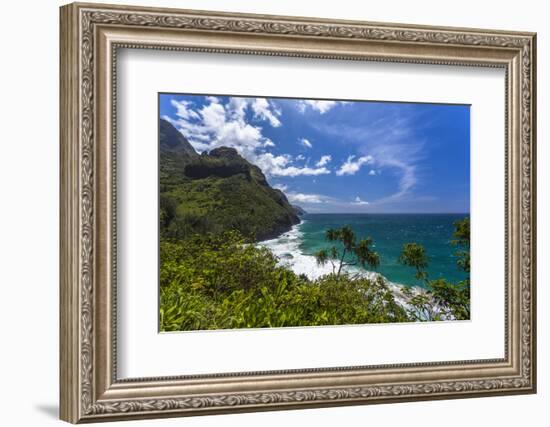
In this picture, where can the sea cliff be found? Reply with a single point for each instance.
(217, 191)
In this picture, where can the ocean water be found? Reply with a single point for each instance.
(388, 231)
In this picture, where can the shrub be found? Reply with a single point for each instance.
(221, 282)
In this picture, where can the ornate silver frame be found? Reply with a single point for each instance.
(90, 36)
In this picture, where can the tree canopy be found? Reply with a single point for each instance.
(443, 299)
(348, 251)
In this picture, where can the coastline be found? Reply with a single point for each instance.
(286, 248)
(278, 232)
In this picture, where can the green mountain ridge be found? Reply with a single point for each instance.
(215, 192)
(172, 140)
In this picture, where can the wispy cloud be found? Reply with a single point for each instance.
(305, 142)
(407, 180)
(265, 110)
(184, 109)
(304, 198)
(390, 141)
(358, 201)
(313, 201)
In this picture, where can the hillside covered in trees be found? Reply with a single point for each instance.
(216, 191)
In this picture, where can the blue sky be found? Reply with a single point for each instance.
(340, 156)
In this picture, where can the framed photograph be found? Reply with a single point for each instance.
(266, 212)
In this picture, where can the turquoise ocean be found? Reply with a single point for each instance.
(388, 231)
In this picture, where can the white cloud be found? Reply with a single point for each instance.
(294, 171)
(264, 110)
(236, 108)
(300, 157)
(216, 124)
(317, 105)
(305, 142)
(351, 166)
(304, 198)
(324, 160)
(268, 162)
(183, 109)
(213, 116)
(358, 201)
(281, 166)
(372, 172)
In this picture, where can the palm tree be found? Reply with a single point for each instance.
(414, 255)
(360, 252)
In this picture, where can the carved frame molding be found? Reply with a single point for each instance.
(90, 36)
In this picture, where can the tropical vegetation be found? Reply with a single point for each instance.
(215, 206)
(442, 300)
(216, 191)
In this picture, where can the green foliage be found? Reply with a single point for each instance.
(454, 298)
(221, 282)
(421, 306)
(349, 253)
(218, 204)
(414, 255)
(213, 207)
(216, 192)
(462, 241)
(442, 299)
(462, 232)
